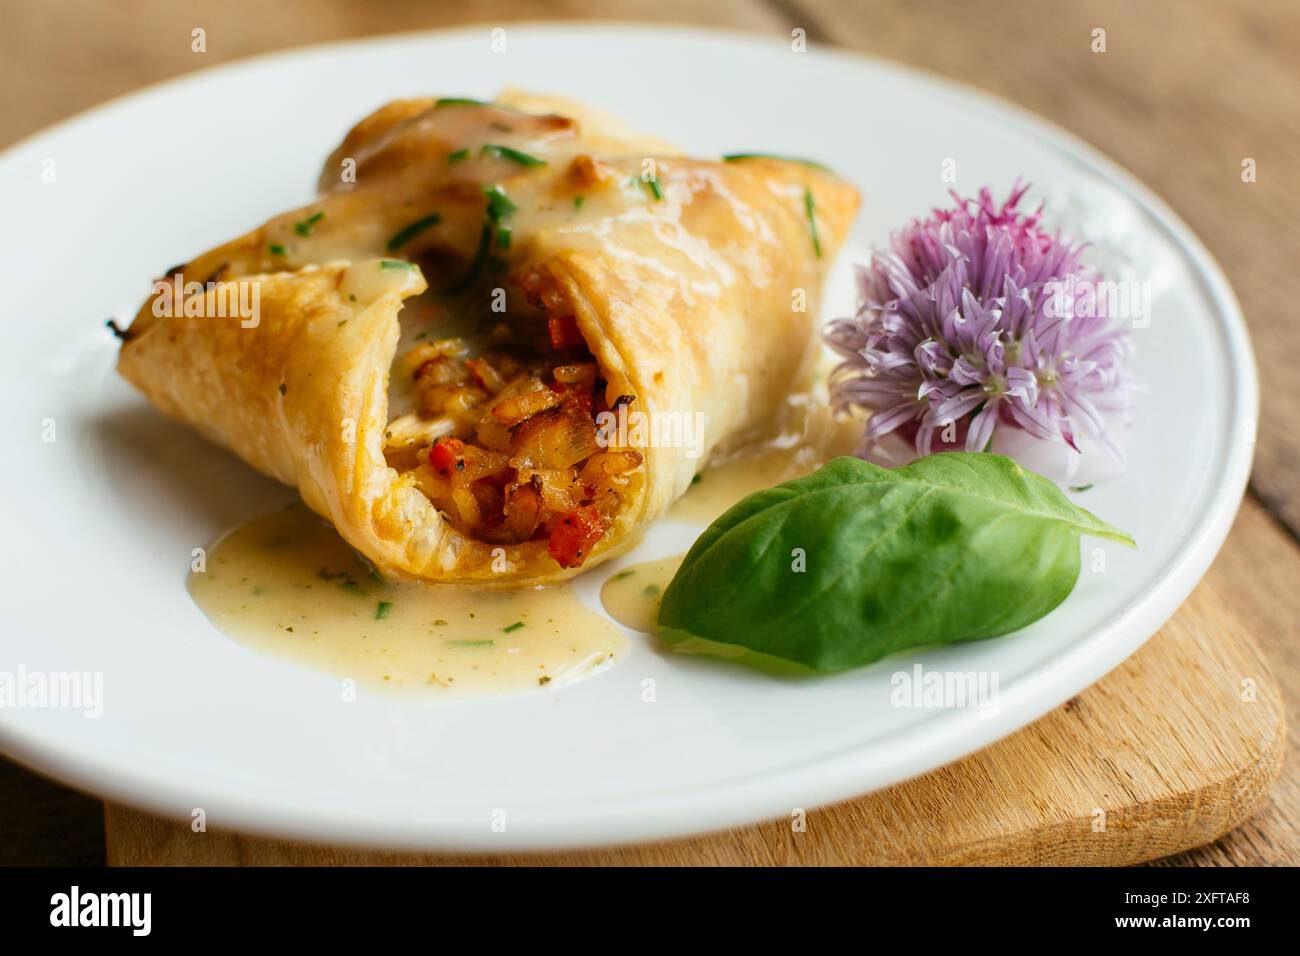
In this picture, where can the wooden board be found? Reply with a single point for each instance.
(1169, 751)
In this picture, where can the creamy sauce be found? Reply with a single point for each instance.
(631, 596)
(288, 585)
(806, 437)
(372, 279)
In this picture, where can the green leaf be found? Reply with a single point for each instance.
(954, 547)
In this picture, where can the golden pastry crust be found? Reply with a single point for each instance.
(687, 294)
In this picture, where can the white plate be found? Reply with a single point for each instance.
(101, 521)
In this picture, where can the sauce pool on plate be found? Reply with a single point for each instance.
(631, 596)
(288, 585)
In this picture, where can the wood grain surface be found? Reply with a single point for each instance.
(1167, 752)
(1186, 90)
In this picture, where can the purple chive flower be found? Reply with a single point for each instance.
(968, 324)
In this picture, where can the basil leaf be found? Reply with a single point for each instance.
(954, 547)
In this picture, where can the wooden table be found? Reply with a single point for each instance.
(1186, 90)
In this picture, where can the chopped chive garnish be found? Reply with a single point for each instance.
(395, 264)
(651, 590)
(499, 203)
(276, 249)
(1078, 488)
(350, 585)
(578, 201)
(810, 208)
(513, 627)
(499, 206)
(459, 101)
(735, 157)
(304, 228)
(469, 643)
(480, 259)
(403, 236)
(457, 156)
(654, 187)
(623, 574)
(503, 237)
(514, 155)
(382, 609)
(696, 480)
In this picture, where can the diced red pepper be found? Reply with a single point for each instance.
(574, 535)
(564, 333)
(446, 454)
